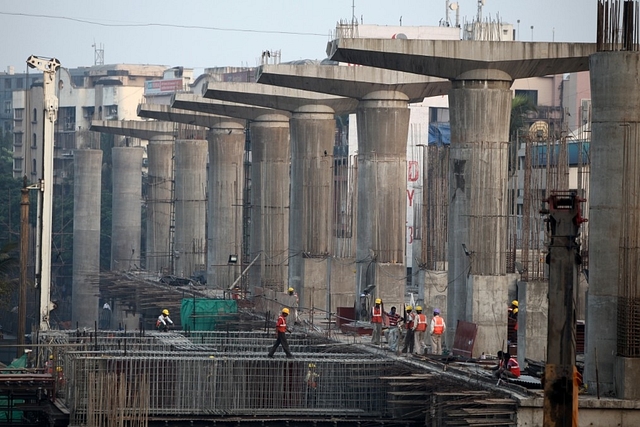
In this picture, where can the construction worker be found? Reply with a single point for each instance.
(420, 329)
(162, 324)
(376, 321)
(436, 329)
(393, 333)
(508, 366)
(294, 302)
(512, 325)
(408, 322)
(281, 330)
(49, 365)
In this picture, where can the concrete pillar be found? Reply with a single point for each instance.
(310, 221)
(190, 206)
(383, 126)
(159, 200)
(126, 210)
(226, 184)
(479, 111)
(86, 237)
(270, 178)
(614, 230)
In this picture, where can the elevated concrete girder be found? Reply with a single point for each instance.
(226, 141)
(383, 122)
(481, 73)
(270, 179)
(133, 128)
(312, 130)
(352, 82)
(453, 59)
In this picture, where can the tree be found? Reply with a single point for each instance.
(521, 106)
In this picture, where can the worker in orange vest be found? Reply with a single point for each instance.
(420, 329)
(436, 329)
(376, 321)
(281, 330)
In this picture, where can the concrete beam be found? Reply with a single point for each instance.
(465, 59)
(279, 98)
(224, 108)
(133, 128)
(176, 115)
(352, 82)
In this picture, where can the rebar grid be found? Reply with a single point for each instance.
(175, 384)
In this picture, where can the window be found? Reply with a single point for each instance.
(34, 141)
(17, 139)
(17, 164)
(531, 94)
(34, 119)
(7, 107)
(438, 115)
(17, 113)
(7, 83)
(19, 83)
(110, 112)
(34, 169)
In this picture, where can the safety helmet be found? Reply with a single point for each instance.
(418, 308)
(291, 290)
(312, 365)
(285, 310)
(514, 302)
(51, 357)
(378, 301)
(165, 312)
(409, 308)
(436, 311)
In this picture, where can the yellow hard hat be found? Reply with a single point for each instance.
(409, 308)
(378, 301)
(285, 310)
(165, 312)
(59, 368)
(291, 290)
(514, 302)
(418, 308)
(312, 365)
(51, 357)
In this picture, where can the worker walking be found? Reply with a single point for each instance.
(281, 330)
(420, 329)
(436, 329)
(163, 322)
(409, 322)
(393, 334)
(376, 321)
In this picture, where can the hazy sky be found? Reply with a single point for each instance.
(207, 33)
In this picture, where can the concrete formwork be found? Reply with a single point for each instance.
(190, 206)
(226, 185)
(126, 209)
(86, 237)
(159, 201)
(614, 231)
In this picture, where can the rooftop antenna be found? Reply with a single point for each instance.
(446, 14)
(455, 6)
(98, 53)
(353, 12)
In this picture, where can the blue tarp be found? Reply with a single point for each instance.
(439, 133)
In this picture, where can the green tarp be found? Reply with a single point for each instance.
(204, 314)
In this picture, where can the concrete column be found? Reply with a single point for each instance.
(310, 221)
(226, 184)
(270, 179)
(126, 210)
(614, 230)
(159, 200)
(383, 126)
(86, 237)
(190, 208)
(477, 292)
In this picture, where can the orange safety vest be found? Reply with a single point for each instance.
(438, 326)
(421, 326)
(281, 324)
(376, 315)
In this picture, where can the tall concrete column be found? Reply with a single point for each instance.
(126, 211)
(383, 125)
(226, 184)
(190, 206)
(270, 179)
(479, 112)
(614, 230)
(159, 198)
(310, 222)
(86, 237)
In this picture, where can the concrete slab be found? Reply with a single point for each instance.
(168, 114)
(465, 59)
(279, 98)
(224, 108)
(352, 82)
